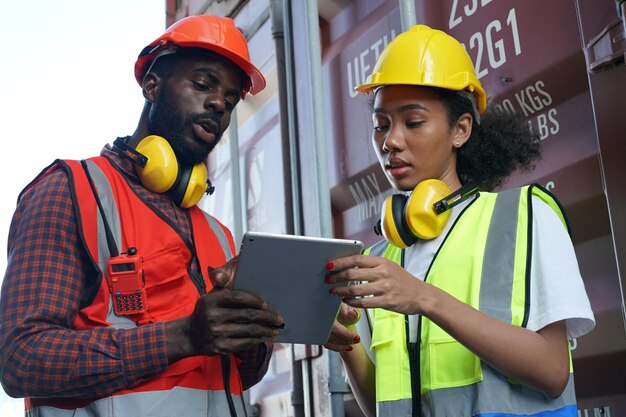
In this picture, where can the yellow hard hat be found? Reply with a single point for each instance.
(427, 57)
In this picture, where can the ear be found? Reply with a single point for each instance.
(462, 130)
(150, 86)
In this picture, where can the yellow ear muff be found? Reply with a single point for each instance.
(162, 173)
(196, 186)
(404, 220)
(419, 213)
(161, 170)
(394, 228)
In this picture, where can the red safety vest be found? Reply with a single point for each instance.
(170, 291)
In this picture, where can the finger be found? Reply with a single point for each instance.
(226, 306)
(348, 315)
(223, 276)
(338, 348)
(353, 274)
(365, 302)
(249, 331)
(359, 261)
(256, 316)
(363, 289)
(217, 277)
(341, 335)
(225, 297)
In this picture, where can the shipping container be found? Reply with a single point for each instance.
(299, 159)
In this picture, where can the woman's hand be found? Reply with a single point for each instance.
(359, 368)
(536, 359)
(374, 281)
(343, 334)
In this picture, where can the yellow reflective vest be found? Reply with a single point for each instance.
(484, 261)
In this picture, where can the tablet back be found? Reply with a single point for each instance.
(288, 272)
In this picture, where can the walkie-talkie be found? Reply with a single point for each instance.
(124, 273)
(127, 283)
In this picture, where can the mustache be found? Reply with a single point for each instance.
(208, 119)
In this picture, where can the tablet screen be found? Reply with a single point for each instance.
(288, 272)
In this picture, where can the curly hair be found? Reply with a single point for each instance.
(499, 145)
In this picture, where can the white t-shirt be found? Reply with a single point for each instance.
(557, 291)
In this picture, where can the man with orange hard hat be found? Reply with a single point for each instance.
(117, 298)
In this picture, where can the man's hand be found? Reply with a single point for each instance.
(223, 321)
(223, 276)
(226, 321)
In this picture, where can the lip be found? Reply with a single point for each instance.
(397, 167)
(206, 130)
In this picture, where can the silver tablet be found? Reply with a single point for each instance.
(288, 272)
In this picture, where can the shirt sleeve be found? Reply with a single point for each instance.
(254, 364)
(557, 290)
(48, 278)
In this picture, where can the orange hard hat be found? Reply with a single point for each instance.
(214, 33)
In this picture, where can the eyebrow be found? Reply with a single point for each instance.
(403, 108)
(209, 73)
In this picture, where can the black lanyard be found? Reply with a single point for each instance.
(413, 349)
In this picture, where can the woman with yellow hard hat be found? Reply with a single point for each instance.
(466, 307)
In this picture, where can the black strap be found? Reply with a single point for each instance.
(129, 152)
(226, 377)
(414, 365)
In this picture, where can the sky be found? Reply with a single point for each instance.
(66, 89)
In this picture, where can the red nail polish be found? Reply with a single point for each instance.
(348, 348)
(356, 339)
(330, 266)
(331, 291)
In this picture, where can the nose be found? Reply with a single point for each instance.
(216, 101)
(393, 141)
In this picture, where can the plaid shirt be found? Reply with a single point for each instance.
(49, 277)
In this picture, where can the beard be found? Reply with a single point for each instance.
(166, 120)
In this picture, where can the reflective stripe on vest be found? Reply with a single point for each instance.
(453, 381)
(219, 233)
(105, 194)
(191, 386)
(178, 401)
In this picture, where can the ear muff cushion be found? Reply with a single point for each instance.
(420, 215)
(177, 192)
(394, 227)
(161, 170)
(195, 185)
